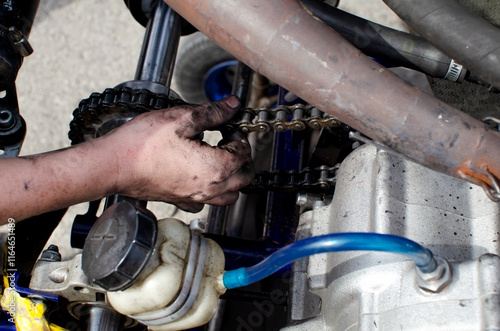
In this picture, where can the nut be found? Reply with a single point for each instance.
(437, 280)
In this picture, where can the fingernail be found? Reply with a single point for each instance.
(232, 101)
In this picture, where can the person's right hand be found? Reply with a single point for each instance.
(161, 157)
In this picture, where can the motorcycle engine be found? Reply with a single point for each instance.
(378, 191)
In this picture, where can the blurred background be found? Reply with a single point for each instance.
(85, 46)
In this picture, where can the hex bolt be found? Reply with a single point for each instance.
(7, 120)
(437, 280)
(310, 201)
(51, 254)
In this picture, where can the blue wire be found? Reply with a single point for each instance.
(335, 242)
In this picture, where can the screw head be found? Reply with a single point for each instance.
(51, 254)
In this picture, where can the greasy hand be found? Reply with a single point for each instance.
(162, 159)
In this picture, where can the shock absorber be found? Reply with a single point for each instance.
(156, 61)
(152, 80)
(16, 20)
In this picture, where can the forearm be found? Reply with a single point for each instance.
(36, 184)
(155, 157)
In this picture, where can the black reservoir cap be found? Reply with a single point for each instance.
(119, 245)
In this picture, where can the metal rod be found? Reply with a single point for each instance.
(157, 59)
(159, 48)
(216, 219)
(282, 212)
(218, 215)
(242, 82)
(96, 318)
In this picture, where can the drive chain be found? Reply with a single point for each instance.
(313, 180)
(103, 111)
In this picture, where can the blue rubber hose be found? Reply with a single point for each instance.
(335, 242)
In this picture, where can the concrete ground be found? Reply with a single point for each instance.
(85, 46)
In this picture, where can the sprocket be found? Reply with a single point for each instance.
(103, 112)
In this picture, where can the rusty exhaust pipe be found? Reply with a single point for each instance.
(283, 42)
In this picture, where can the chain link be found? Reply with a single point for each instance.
(283, 118)
(314, 180)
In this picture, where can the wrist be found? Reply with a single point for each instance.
(110, 165)
(121, 160)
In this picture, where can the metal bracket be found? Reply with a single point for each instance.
(492, 190)
(65, 279)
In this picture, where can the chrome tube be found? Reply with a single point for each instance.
(159, 48)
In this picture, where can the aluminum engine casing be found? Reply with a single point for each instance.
(378, 191)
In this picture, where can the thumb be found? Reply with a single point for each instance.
(212, 115)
